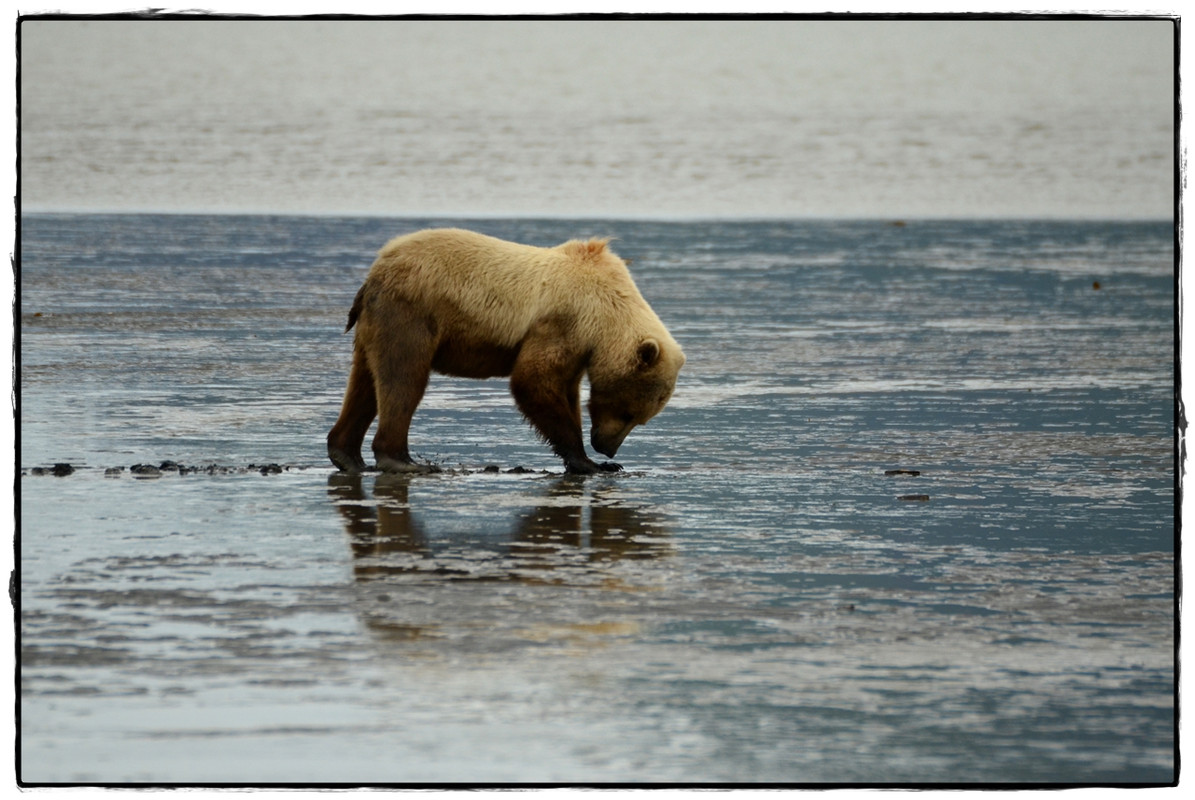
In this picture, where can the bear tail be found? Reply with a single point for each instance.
(355, 310)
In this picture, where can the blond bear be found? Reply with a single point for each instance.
(460, 303)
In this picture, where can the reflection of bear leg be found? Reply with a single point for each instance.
(548, 394)
(401, 363)
(356, 414)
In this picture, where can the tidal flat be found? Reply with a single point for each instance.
(908, 519)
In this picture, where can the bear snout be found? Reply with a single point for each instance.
(607, 442)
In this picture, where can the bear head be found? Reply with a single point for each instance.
(631, 396)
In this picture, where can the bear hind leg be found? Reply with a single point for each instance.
(400, 374)
(356, 415)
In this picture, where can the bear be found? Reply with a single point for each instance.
(457, 302)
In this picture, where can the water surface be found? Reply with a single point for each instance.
(760, 118)
(754, 599)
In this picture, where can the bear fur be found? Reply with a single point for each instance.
(461, 303)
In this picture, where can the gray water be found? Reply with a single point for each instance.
(824, 118)
(756, 599)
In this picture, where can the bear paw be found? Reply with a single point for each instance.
(394, 465)
(351, 463)
(588, 467)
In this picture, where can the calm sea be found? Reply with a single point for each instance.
(672, 119)
(908, 518)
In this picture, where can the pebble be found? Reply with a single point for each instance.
(169, 466)
(59, 470)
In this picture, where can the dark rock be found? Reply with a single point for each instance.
(62, 470)
(113, 472)
(271, 469)
(491, 468)
(912, 473)
(914, 498)
(145, 471)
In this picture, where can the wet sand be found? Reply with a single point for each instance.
(909, 518)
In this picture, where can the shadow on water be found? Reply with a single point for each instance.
(418, 570)
(546, 537)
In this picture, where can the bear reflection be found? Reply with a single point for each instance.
(569, 535)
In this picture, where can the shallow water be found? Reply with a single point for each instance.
(755, 599)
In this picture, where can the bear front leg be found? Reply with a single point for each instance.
(546, 386)
(356, 415)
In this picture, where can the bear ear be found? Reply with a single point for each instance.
(649, 353)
